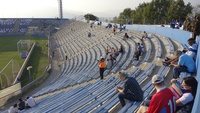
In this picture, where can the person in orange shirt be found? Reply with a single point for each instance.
(101, 67)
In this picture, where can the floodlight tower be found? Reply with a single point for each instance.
(60, 9)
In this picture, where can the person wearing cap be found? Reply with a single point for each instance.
(163, 101)
(131, 89)
(185, 64)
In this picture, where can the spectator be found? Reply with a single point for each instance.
(144, 36)
(130, 91)
(192, 51)
(162, 25)
(185, 64)
(108, 64)
(13, 109)
(101, 67)
(109, 25)
(138, 51)
(89, 34)
(112, 51)
(112, 59)
(114, 55)
(163, 101)
(177, 25)
(65, 55)
(172, 24)
(114, 28)
(125, 36)
(185, 102)
(21, 104)
(107, 50)
(30, 102)
(120, 49)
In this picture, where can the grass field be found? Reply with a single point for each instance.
(38, 60)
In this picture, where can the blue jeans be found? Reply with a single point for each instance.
(127, 96)
(178, 70)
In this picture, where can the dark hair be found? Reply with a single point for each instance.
(192, 82)
(15, 105)
(20, 99)
(191, 39)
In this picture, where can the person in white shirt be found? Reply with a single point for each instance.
(13, 109)
(30, 102)
(189, 88)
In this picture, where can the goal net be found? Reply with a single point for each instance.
(9, 73)
(23, 45)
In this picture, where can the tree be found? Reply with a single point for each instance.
(157, 12)
(178, 10)
(137, 14)
(90, 17)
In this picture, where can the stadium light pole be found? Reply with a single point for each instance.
(60, 8)
(29, 70)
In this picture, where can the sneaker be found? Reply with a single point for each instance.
(165, 64)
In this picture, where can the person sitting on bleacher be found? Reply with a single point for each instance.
(163, 101)
(192, 50)
(107, 50)
(108, 64)
(125, 36)
(189, 88)
(21, 104)
(185, 64)
(130, 91)
(120, 49)
(30, 102)
(13, 109)
(144, 36)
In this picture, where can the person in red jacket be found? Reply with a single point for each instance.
(163, 101)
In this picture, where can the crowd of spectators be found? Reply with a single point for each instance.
(183, 61)
(29, 102)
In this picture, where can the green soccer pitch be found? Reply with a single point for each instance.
(38, 59)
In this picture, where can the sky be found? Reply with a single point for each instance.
(71, 8)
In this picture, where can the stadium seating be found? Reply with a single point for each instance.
(82, 66)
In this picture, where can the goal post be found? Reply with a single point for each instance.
(9, 73)
(23, 45)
